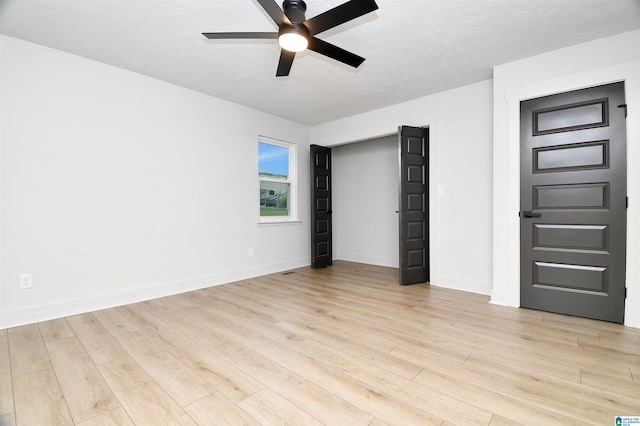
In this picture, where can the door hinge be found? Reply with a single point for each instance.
(627, 201)
(625, 292)
(625, 109)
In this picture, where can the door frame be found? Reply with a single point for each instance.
(506, 251)
(391, 128)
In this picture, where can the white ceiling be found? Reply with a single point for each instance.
(413, 48)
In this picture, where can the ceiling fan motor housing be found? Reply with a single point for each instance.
(295, 9)
(296, 29)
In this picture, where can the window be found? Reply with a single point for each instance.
(277, 173)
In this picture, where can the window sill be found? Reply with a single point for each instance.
(278, 222)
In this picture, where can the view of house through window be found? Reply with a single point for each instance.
(276, 178)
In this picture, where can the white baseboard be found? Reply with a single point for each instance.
(369, 260)
(444, 281)
(460, 283)
(33, 314)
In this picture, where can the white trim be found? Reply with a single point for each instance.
(279, 222)
(292, 180)
(461, 284)
(370, 260)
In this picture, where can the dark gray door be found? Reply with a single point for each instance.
(414, 204)
(321, 253)
(573, 203)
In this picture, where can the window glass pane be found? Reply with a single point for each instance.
(273, 161)
(274, 198)
(277, 180)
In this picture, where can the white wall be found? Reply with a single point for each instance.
(460, 132)
(116, 187)
(599, 62)
(365, 201)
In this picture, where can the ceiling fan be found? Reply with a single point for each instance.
(296, 33)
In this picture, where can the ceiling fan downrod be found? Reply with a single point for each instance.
(295, 9)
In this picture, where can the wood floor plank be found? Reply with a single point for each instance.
(524, 354)
(269, 408)
(181, 383)
(261, 323)
(427, 352)
(147, 319)
(578, 328)
(444, 407)
(606, 382)
(27, 351)
(117, 417)
(601, 327)
(222, 375)
(6, 384)
(114, 322)
(379, 319)
(501, 421)
(378, 422)
(191, 306)
(516, 332)
(144, 400)
(85, 391)
(333, 328)
(226, 298)
(583, 403)
(55, 329)
(437, 351)
(216, 408)
(452, 382)
(99, 344)
(370, 399)
(308, 395)
(277, 290)
(413, 335)
(39, 400)
(354, 346)
(626, 353)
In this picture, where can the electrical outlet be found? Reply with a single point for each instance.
(251, 251)
(25, 281)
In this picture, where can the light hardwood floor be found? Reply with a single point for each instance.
(344, 345)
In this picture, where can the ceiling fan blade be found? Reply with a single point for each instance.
(277, 14)
(216, 36)
(335, 52)
(339, 15)
(284, 64)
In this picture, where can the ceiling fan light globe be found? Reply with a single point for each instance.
(293, 42)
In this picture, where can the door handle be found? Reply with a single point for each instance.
(529, 213)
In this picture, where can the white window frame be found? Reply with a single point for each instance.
(292, 180)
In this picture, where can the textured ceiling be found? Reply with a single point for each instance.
(412, 48)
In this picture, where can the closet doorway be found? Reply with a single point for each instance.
(365, 205)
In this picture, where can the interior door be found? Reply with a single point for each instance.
(321, 240)
(414, 204)
(573, 203)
